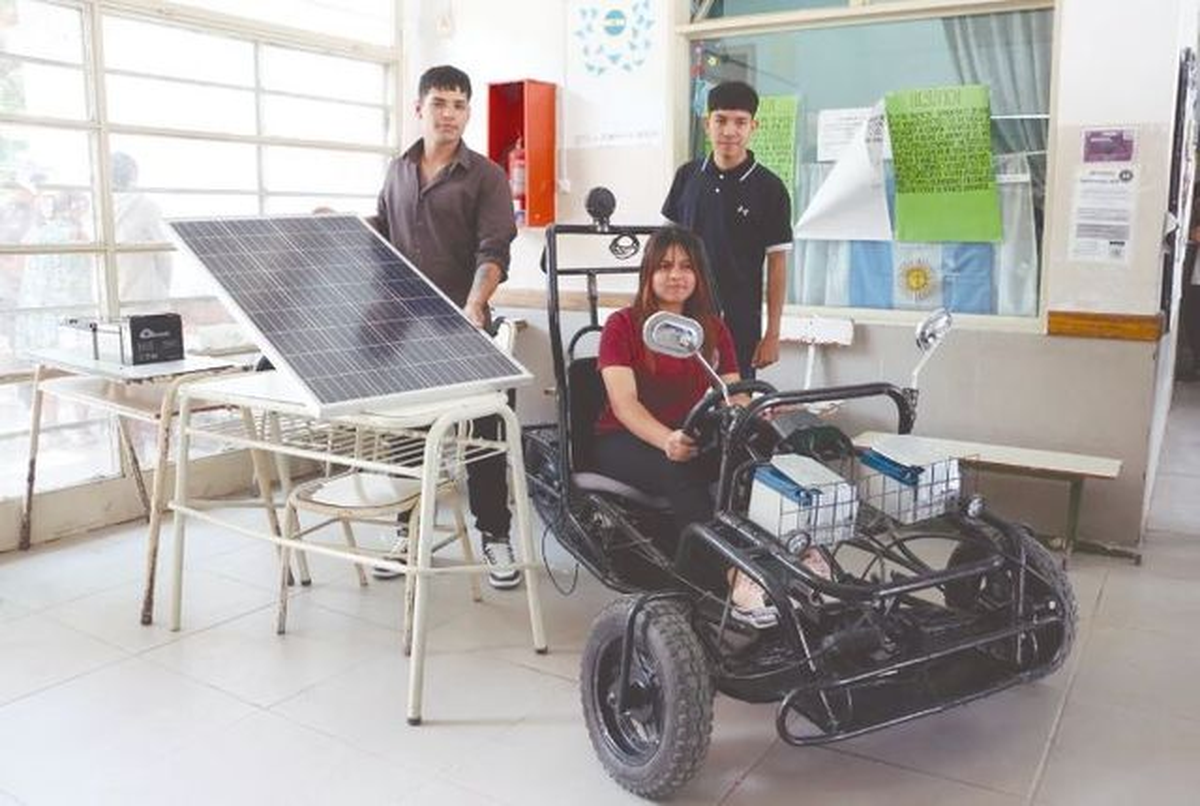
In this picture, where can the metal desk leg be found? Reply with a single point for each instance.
(520, 492)
(1073, 505)
(158, 493)
(283, 471)
(35, 428)
(133, 465)
(430, 468)
(181, 498)
(262, 477)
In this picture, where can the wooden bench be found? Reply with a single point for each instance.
(1073, 468)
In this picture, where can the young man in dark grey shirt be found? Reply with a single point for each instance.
(448, 209)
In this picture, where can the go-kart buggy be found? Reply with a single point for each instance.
(912, 618)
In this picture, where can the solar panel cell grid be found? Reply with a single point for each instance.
(341, 310)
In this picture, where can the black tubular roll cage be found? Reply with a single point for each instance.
(558, 354)
(754, 545)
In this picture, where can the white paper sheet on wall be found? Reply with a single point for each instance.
(836, 129)
(615, 77)
(1102, 214)
(852, 203)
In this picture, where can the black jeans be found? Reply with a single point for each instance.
(487, 484)
(624, 457)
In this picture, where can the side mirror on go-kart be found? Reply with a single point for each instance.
(678, 336)
(931, 331)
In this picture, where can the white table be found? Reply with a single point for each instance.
(274, 420)
(1074, 468)
(144, 393)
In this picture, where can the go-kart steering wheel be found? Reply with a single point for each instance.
(699, 418)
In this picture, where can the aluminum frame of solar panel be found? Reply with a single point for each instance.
(413, 344)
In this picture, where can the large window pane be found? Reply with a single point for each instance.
(42, 30)
(364, 20)
(178, 163)
(203, 205)
(304, 73)
(178, 105)
(286, 205)
(308, 170)
(45, 156)
(75, 446)
(284, 116)
(27, 88)
(164, 50)
(824, 70)
(36, 291)
(45, 179)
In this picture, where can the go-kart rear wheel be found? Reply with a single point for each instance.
(658, 741)
(1047, 589)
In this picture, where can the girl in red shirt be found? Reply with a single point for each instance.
(638, 436)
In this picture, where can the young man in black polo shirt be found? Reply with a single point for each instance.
(448, 210)
(743, 213)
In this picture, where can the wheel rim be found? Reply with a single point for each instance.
(633, 733)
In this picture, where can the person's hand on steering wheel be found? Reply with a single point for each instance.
(679, 447)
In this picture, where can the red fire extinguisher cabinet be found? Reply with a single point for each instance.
(525, 109)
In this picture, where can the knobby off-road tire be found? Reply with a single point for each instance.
(659, 741)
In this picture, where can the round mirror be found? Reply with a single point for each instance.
(933, 329)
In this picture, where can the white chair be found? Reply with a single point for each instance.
(376, 498)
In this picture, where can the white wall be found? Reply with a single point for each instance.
(1117, 63)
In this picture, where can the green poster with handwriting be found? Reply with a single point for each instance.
(774, 141)
(942, 154)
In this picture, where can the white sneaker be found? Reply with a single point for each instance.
(397, 553)
(498, 555)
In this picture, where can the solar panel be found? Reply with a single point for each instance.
(344, 313)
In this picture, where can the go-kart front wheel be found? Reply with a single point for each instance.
(657, 741)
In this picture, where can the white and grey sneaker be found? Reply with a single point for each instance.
(498, 555)
(397, 553)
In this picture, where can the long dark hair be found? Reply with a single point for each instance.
(699, 306)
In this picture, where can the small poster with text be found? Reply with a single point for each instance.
(942, 154)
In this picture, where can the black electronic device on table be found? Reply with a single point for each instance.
(132, 340)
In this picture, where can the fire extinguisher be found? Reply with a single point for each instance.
(516, 179)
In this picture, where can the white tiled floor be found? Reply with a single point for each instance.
(95, 709)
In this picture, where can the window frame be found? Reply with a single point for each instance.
(99, 128)
(866, 12)
(95, 125)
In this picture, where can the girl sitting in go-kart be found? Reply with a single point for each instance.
(638, 436)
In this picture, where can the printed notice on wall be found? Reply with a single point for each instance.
(942, 153)
(1102, 215)
(837, 127)
(774, 141)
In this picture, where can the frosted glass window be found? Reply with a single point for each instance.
(165, 50)
(178, 105)
(41, 30)
(29, 88)
(305, 73)
(306, 170)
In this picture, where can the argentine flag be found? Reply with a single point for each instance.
(955, 276)
(982, 278)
